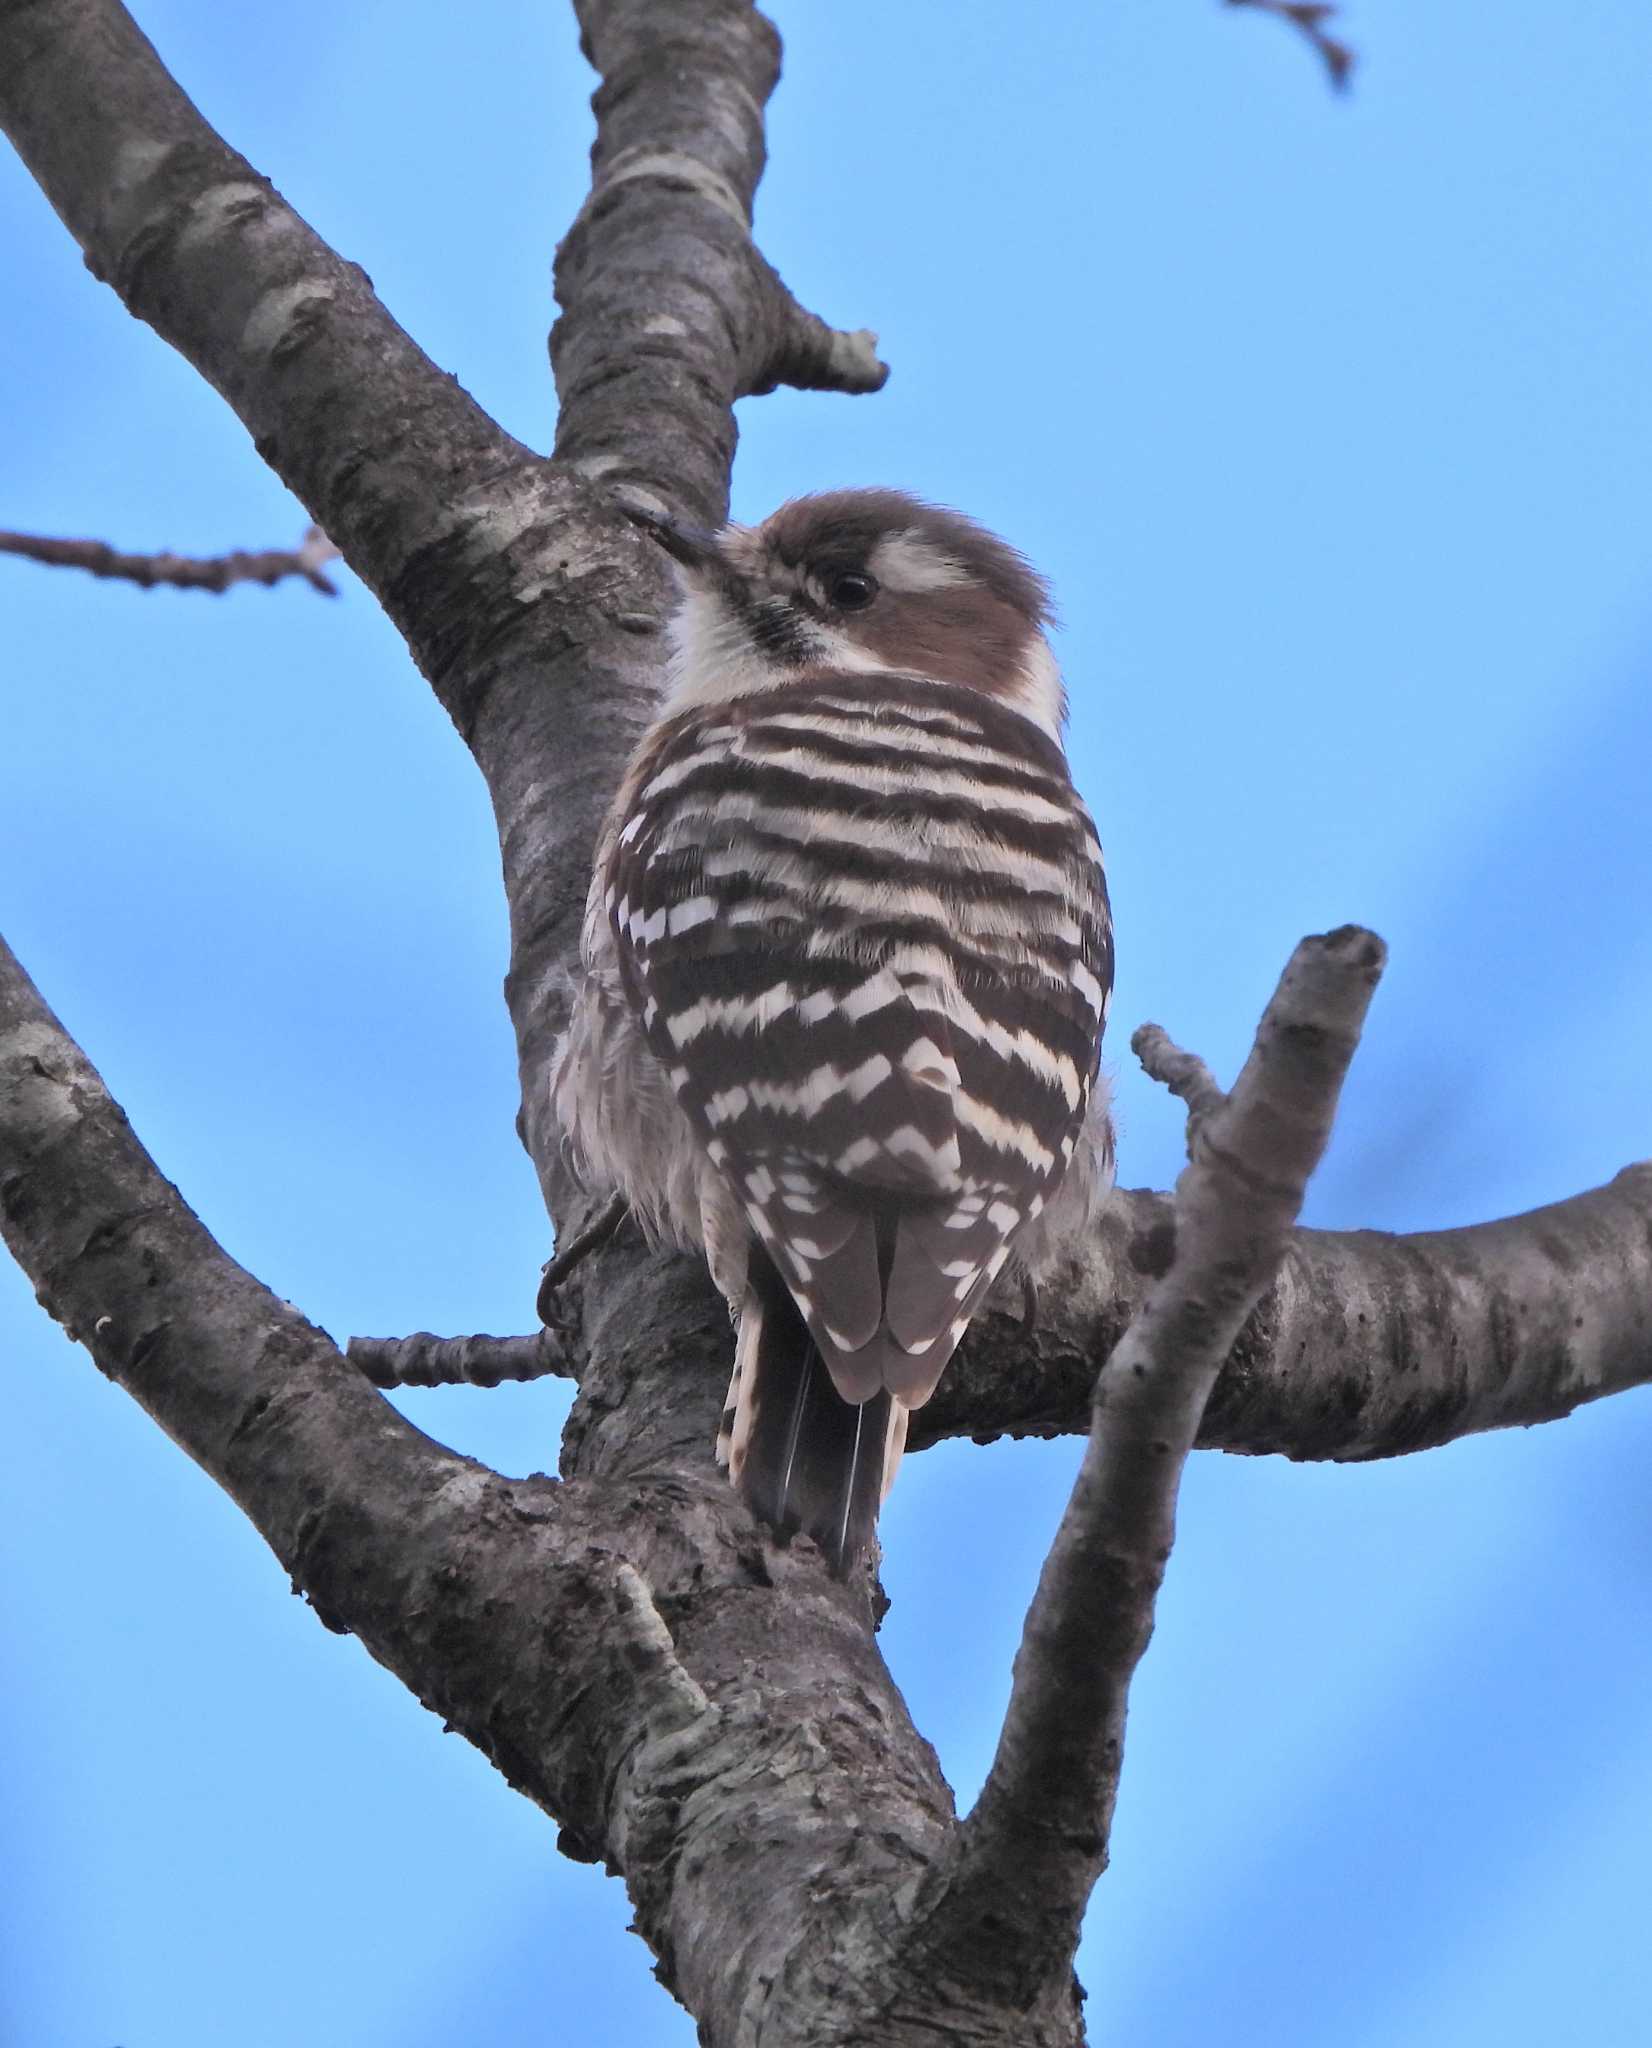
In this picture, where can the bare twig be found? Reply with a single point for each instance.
(288, 332)
(1310, 17)
(1030, 1852)
(422, 1360)
(183, 572)
(810, 356)
(1183, 1073)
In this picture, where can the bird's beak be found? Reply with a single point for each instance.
(693, 547)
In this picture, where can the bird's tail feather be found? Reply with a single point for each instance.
(800, 1454)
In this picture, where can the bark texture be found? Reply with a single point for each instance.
(704, 1711)
(1368, 1345)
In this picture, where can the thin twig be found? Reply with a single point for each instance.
(422, 1360)
(1310, 17)
(183, 572)
(1030, 1852)
(1183, 1073)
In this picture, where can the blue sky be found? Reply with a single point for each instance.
(1332, 421)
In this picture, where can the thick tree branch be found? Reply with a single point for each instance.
(662, 256)
(530, 604)
(1368, 1345)
(1029, 1854)
(183, 572)
(509, 580)
(387, 1533)
(707, 1713)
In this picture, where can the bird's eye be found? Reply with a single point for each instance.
(851, 590)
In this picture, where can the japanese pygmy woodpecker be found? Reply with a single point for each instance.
(847, 964)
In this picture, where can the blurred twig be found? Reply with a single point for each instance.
(1310, 17)
(183, 572)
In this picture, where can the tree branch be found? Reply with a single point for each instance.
(389, 454)
(1309, 17)
(355, 1502)
(810, 356)
(1368, 1345)
(702, 1708)
(1029, 1854)
(669, 312)
(183, 572)
(422, 1360)
(572, 1254)
(529, 602)
(601, 1644)
(533, 608)
(1183, 1073)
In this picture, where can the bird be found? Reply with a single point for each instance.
(847, 958)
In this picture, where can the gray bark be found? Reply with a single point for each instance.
(703, 1711)
(1368, 1345)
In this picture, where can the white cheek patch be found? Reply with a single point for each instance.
(906, 561)
(712, 656)
(837, 648)
(1038, 691)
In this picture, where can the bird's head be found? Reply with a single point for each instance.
(860, 581)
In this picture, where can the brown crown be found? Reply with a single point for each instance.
(845, 526)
